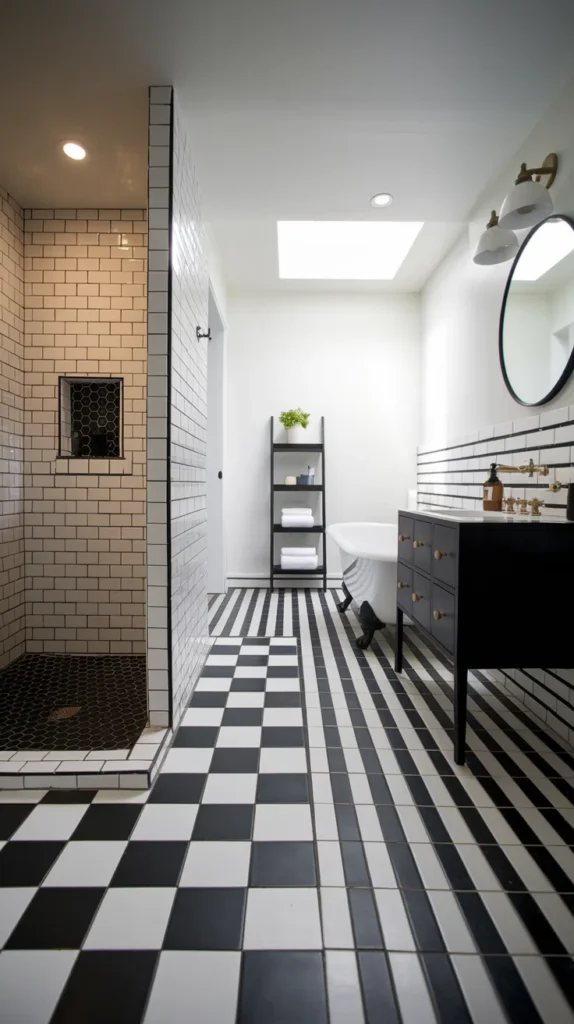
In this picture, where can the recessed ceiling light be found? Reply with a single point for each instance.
(382, 199)
(344, 250)
(74, 151)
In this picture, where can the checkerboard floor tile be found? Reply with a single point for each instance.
(309, 852)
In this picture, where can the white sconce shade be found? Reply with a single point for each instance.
(495, 245)
(527, 204)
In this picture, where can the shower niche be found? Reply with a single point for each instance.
(90, 417)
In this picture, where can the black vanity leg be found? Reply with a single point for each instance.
(343, 605)
(399, 642)
(460, 690)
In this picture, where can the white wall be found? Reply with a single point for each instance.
(217, 283)
(462, 386)
(215, 461)
(355, 360)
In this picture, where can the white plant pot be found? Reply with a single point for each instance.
(296, 434)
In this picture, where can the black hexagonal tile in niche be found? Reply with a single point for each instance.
(90, 417)
(72, 702)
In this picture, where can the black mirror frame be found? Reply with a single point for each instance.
(557, 387)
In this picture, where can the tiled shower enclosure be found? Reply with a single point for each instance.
(102, 542)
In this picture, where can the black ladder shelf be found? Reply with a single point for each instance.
(275, 528)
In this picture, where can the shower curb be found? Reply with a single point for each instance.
(33, 774)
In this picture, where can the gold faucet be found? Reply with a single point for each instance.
(530, 469)
(536, 505)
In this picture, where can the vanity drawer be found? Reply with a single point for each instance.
(420, 600)
(422, 545)
(444, 554)
(442, 616)
(404, 587)
(406, 537)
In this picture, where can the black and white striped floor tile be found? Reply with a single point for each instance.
(309, 853)
(473, 866)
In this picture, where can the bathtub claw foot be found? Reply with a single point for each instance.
(370, 623)
(343, 605)
(366, 639)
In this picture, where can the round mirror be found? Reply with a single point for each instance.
(536, 336)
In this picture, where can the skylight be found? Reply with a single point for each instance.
(343, 250)
(547, 247)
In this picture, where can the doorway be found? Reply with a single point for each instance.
(216, 568)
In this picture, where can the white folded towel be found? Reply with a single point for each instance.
(287, 562)
(298, 552)
(289, 522)
(296, 511)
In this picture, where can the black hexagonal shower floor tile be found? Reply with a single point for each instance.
(70, 702)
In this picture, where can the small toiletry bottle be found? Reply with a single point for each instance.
(493, 492)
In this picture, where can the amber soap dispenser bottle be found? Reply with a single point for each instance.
(493, 492)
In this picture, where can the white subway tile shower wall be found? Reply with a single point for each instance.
(177, 418)
(12, 602)
(85, 525)
(188, 409)
(159, 185)
(453, 476)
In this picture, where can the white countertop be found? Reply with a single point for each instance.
(457, 515)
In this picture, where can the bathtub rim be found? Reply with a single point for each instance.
(357, 550)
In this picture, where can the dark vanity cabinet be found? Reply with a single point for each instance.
(489, 593)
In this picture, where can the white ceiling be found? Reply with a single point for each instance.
(299, 110)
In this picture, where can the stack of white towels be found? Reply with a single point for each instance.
(297, 517)
(299, 558)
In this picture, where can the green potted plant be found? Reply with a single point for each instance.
(295, 422)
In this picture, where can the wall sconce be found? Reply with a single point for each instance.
(529, 201)
(495, 245)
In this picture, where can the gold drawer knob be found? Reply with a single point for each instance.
(440, 554)
(417, 597)
(403, 537)
(418, 543)
(401, 585)
(438, 615)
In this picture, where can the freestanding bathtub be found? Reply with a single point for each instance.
(369, 563)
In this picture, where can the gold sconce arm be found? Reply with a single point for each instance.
(549, 167)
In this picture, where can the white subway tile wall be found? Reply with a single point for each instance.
(159, 184)
(188, 409)
(452, 476)
(85, 520)
(177, 417)
(12, 601)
